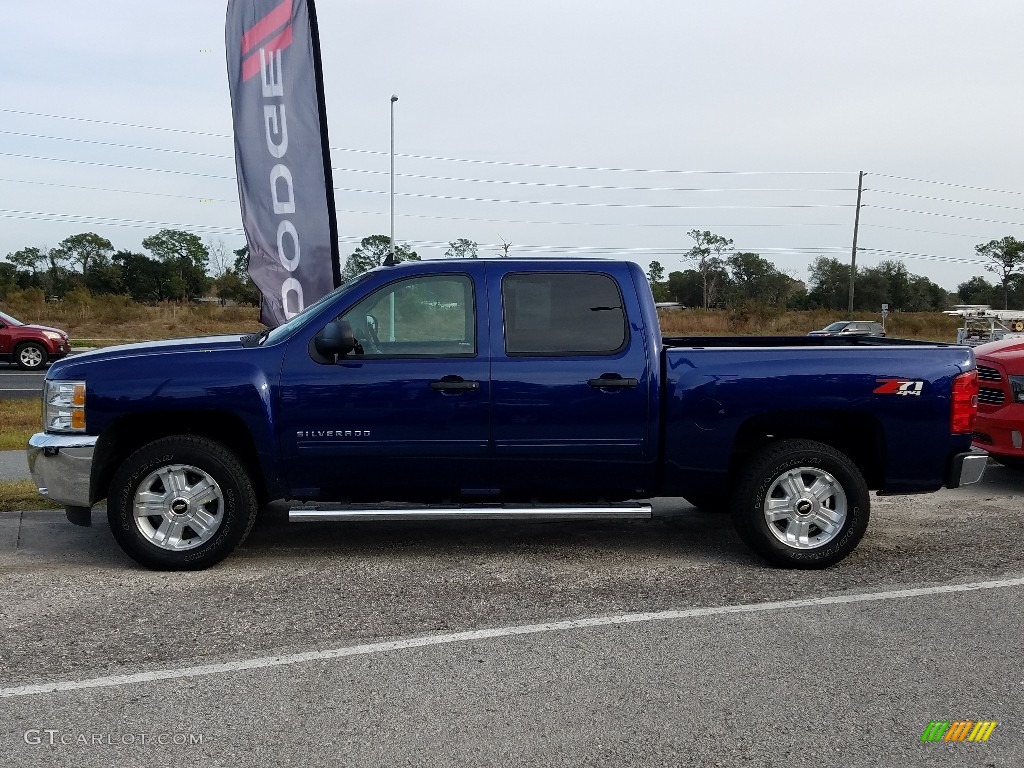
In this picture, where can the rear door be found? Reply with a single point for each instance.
(570, 382)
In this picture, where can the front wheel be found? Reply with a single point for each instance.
(801, 504)
(181, 503)
(30, 356)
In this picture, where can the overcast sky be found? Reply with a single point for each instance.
(798, 96)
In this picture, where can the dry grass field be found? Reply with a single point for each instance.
(19, 420)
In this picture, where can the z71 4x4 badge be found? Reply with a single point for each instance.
(899, 387)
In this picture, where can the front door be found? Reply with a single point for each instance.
(406, 414)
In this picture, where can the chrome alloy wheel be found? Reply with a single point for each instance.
(178, 507)
(805, 508)
(31, 357)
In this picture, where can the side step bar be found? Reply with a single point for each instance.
(321, 512)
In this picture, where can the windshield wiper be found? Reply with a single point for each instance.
(255, 339)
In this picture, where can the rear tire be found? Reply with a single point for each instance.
(801, 504)
(30, 356)
(181, 503)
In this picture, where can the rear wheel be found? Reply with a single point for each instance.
(801, 504)
(30, 356)
(181, 503)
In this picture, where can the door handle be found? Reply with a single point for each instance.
(612, 381)
(454, 384)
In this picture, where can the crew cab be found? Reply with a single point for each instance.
(1000, 423)
(30, 347)
(499, 389)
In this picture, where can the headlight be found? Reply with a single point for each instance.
(1017, 388)
(53, 336)
(64, 406)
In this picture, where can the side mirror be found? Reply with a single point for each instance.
(336, 339)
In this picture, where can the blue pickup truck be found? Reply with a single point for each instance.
(499, 389)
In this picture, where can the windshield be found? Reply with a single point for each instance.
(835, 327)
(8, 320)
(284, 330)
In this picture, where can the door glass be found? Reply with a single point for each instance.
(558, 313)
(422, 316)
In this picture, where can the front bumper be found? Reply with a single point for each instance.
(61, 467)
(1001, 432)
(966, 468)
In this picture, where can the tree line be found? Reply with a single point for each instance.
(179, 266)
(718, 277)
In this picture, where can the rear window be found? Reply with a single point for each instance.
(562, 313)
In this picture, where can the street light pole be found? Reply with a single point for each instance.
(393, 100)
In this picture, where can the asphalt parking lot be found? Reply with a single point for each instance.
(658, 642)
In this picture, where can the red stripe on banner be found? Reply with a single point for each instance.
(266, 25)
(252, 64)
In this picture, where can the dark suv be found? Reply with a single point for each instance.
(30, 347)
(850, 328)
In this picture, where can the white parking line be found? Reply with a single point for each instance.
(485, 634)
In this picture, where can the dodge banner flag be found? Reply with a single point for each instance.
(281, 153)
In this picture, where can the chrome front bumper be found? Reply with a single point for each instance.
(61, 467)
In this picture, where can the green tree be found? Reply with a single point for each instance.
(829, 284)
(460, 249)
(686, 287)
(977, 290)
(85, 249)
(371, 253)
(143, 278)
(1006, 259)
(187, 257)
(28, 259)
(756, 279)
(708, 256)
(234, 284)
(659, 285)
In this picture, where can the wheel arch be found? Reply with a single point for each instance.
(129, 433)
(858, 435)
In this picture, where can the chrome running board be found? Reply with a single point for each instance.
(329, 513)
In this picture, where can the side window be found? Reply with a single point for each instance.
(562, 313)
(433, 315)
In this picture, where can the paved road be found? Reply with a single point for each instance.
(851, 682)
(13, 466)
(20, 385)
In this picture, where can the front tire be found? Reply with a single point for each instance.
(801, 504)
(181, 503)
(30, 356)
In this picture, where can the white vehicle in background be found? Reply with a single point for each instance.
(982, 324)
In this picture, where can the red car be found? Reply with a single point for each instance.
(30, 347)
(999, 426)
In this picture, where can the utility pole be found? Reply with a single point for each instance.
(391, 255)
(853, 253)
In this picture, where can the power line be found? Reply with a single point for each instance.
(926, 256)
(449, 159)
(947, 184)
(658, 206)
(945, 215)
(946, 200)
(116, 166)
(434, 217)
(428, 177)
(116, 145)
